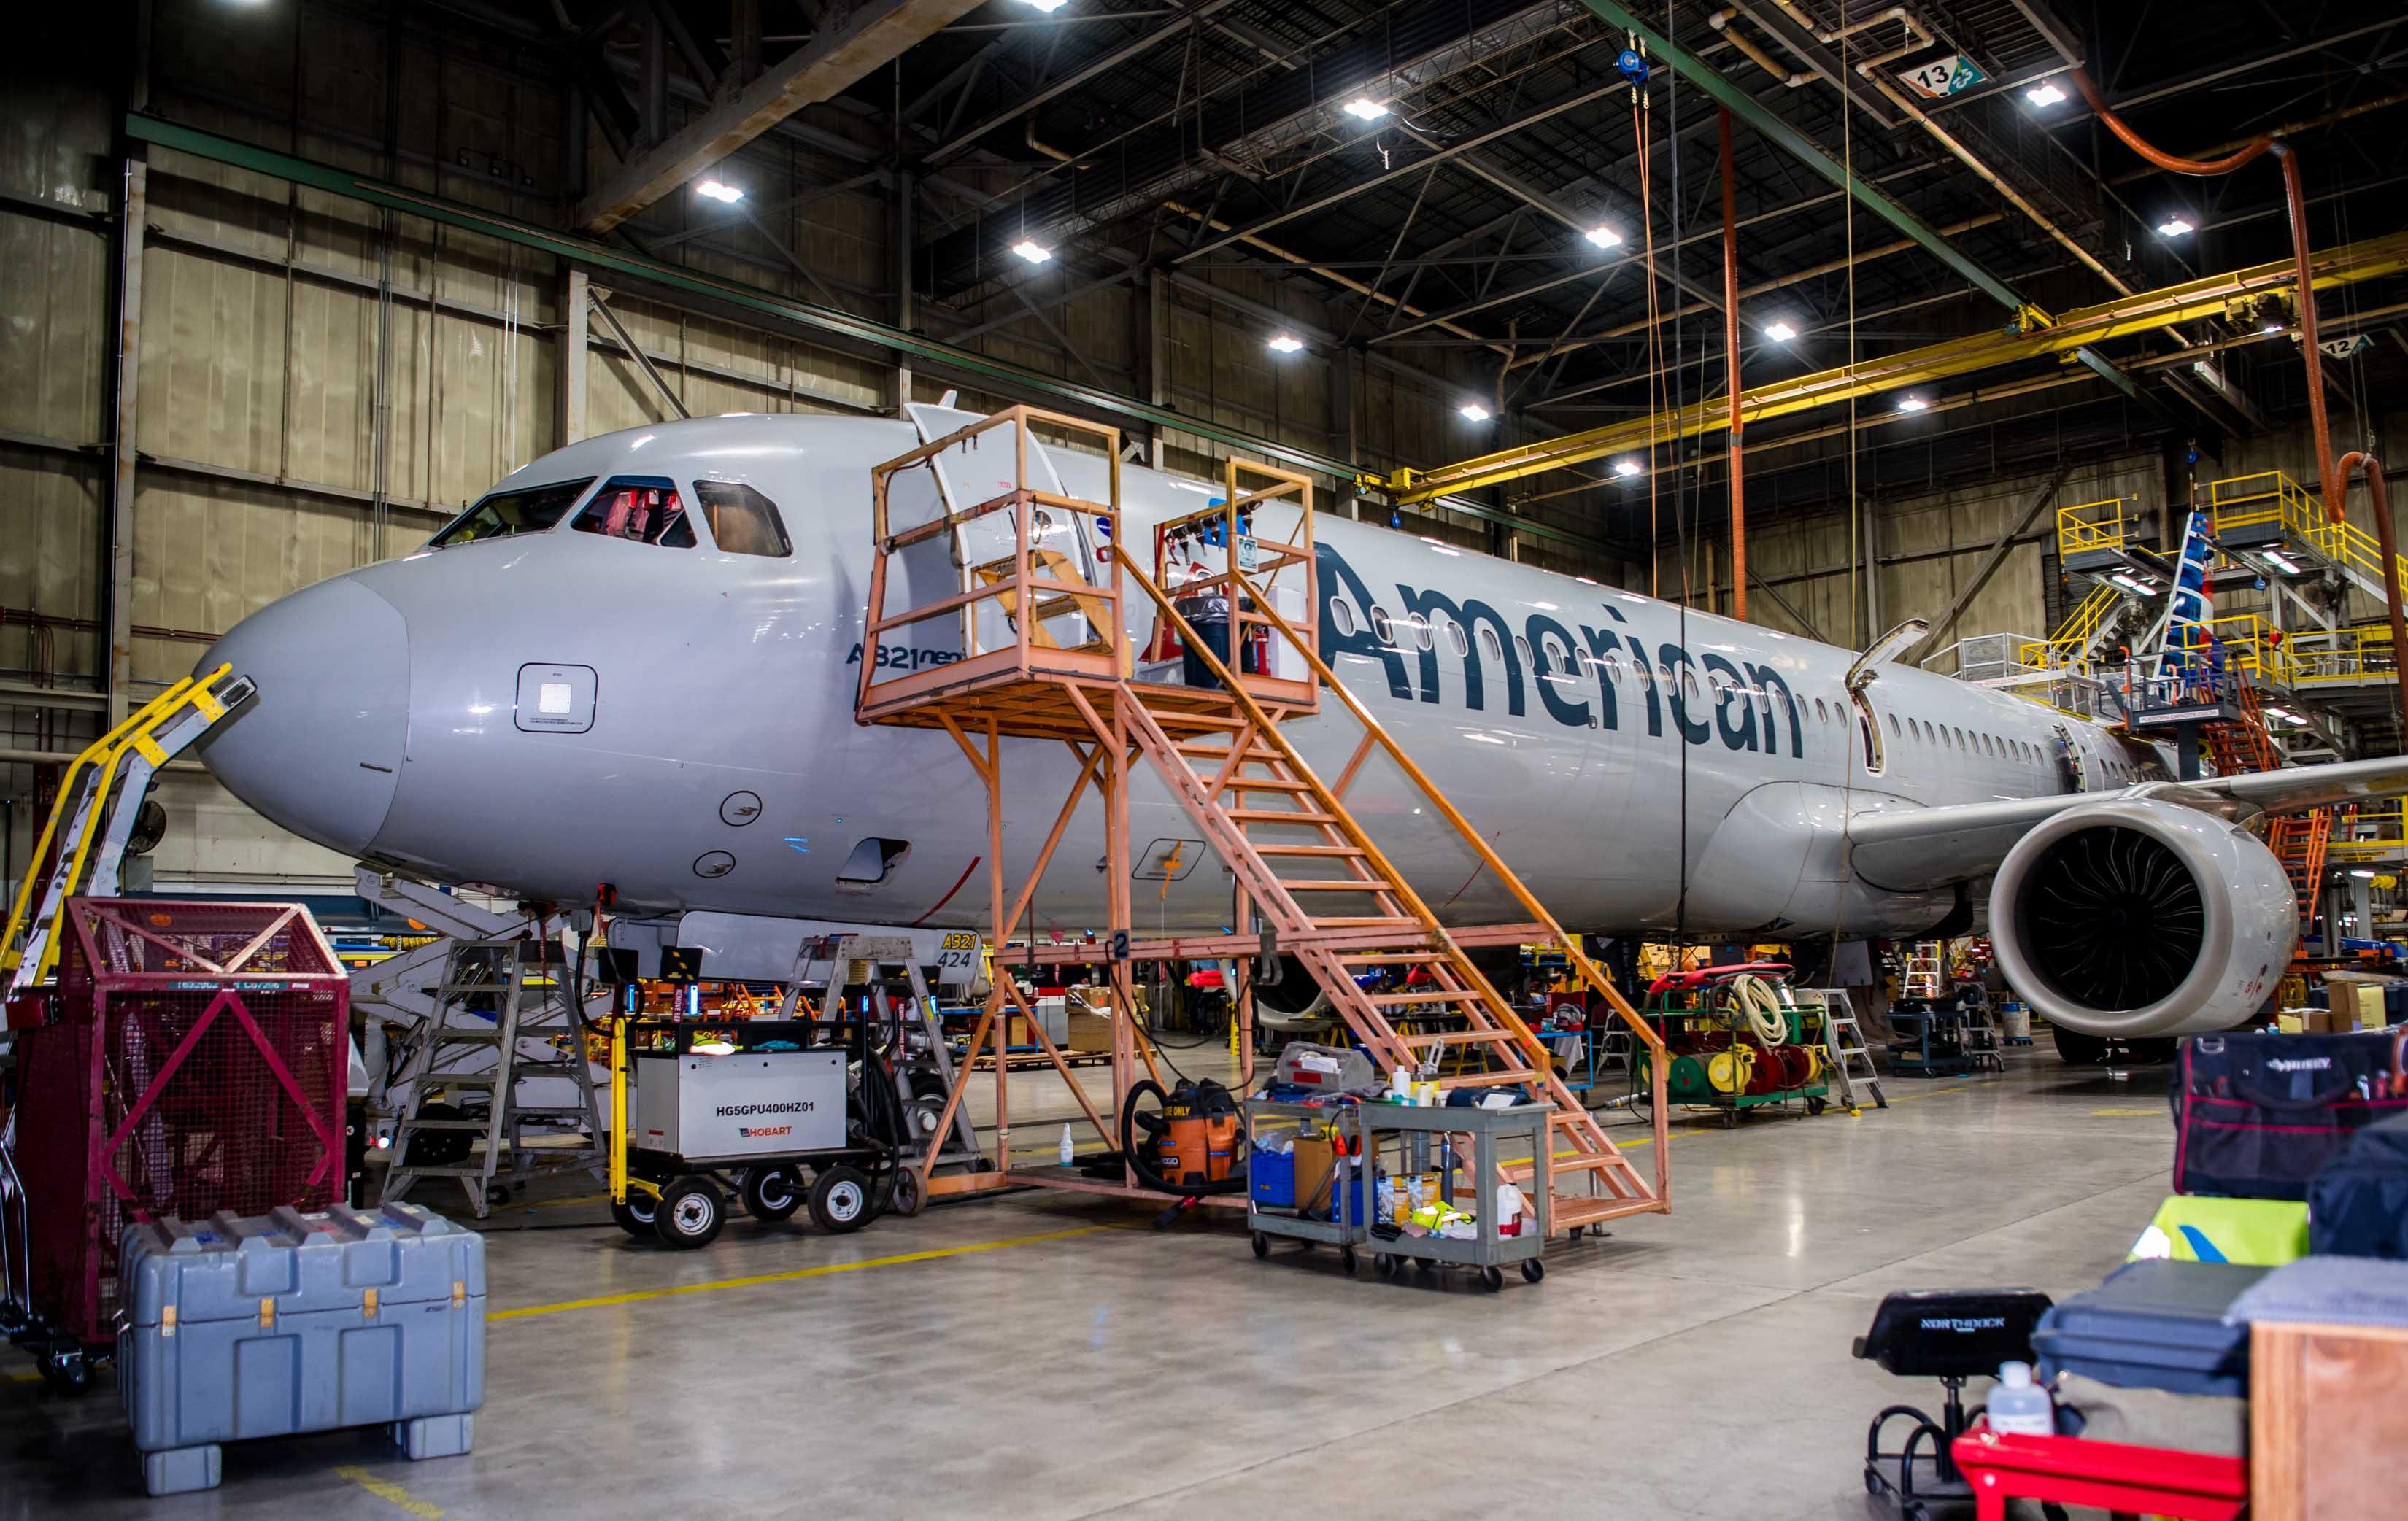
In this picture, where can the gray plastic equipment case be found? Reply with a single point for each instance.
(287, 1322)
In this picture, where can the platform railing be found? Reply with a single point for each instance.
(2093, 526)
(1025, 579)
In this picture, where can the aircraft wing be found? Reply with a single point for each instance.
(1913, 850)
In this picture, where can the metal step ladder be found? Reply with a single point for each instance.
(99, 802)
(869, 961)
(1843, 1042)
(1926, 975)
(497, 998)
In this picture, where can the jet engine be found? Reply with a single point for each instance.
(2138, 919)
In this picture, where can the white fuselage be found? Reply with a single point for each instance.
(720, 766)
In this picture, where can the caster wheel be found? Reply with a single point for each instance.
(1492, 1279)
(496, 1195)
(1730, 1119)
(1262, 1246)
(840, 1200)
(1576, 1231)
(909, 1194)
(1346, 1257)
(1384, 1265)
(1533, 1269)
(1873, 1483)
(635, 1216)
(772, 1193)
(66, 1371)
(690, 1214)
(1423, 1267)
(1815, 1106)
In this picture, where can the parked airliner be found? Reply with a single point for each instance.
(634, 664)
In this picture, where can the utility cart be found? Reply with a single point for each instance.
(777, 1113)
(1406, 1143)
(1724, 1062)
(1314, 1191)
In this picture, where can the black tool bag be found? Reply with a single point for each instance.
(2357, 1203)
(2256, 1114)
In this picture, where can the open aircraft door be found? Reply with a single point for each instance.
(1061, 542)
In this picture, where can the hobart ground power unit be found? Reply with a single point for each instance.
(776, 1112)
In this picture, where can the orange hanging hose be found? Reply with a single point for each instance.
(1730, 370)
(2326, 479)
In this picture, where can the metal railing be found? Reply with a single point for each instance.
(2374, 831)
(2362, 653)
(2070, 645)
(2269, 496)
(2094, 526)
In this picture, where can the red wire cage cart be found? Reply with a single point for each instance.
(191, 1059)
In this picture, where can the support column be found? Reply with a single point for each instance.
(133, 213)
(1158, 352)
(905, 185)
(1873, 626)
(1121, 911)
(576, 304)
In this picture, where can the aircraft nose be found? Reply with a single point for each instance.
(319, 749)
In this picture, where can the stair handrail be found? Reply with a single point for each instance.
(1590, 973)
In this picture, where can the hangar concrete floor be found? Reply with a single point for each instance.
(1049, 1356)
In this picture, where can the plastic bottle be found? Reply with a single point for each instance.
(2019, 1407)
(1401, 1086)
(1069, 1156)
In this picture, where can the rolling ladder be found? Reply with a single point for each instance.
(100, 800)
(2298, 840)
(499, 1004)
(1308, 881)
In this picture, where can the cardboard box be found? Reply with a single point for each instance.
(1089, 1031)
(1314, 1161)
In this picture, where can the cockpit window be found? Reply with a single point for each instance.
(742, 521)
(530, 509)
(645, 508)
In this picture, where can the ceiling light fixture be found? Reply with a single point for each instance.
(1473, 412)
(2362, 873)
(1048, 6)
(1603, 236)
(2175, 227)
(1780, 331)
(1912, 404)
(2283, 564)
(1365, 108)
(1626, 468)
(1285, 344)
(1032, 251)
(720, 190)
(2045, 94)
(2273, 327)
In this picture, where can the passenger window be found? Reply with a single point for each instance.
(742, 521)
(1613, 668)
(1455, 637)
(1522, 648)
(1383, 628)
(1489, 647)
(644, 508)
(1342, 617)
(1892, 722)
(501, 514)
(1421, 630)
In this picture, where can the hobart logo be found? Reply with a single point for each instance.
(755, 1132)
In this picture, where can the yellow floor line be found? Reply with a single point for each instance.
(391, 1494)
(24, 1375)
(932, 1255)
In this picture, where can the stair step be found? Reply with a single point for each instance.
(1275, 848)
(478, 1124)
(1505, 1077)
(464, 1170)
(1264, 784)
(1522, 1172)
(1389, 958)
(1374, 923)
(1458, 1037)
(1371, 884)
(1435, 995)
(1278, 816)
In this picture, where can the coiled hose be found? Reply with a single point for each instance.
(1756, 1001)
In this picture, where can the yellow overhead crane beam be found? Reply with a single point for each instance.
(2033, 334)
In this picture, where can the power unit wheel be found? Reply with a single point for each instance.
(772, 1193)
(690, 1214)
(840, 1199)
(1262, 1246)
(1533, 1269)
(635, 1216)
(910, 1193)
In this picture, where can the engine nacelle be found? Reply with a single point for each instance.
(2132, 918)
